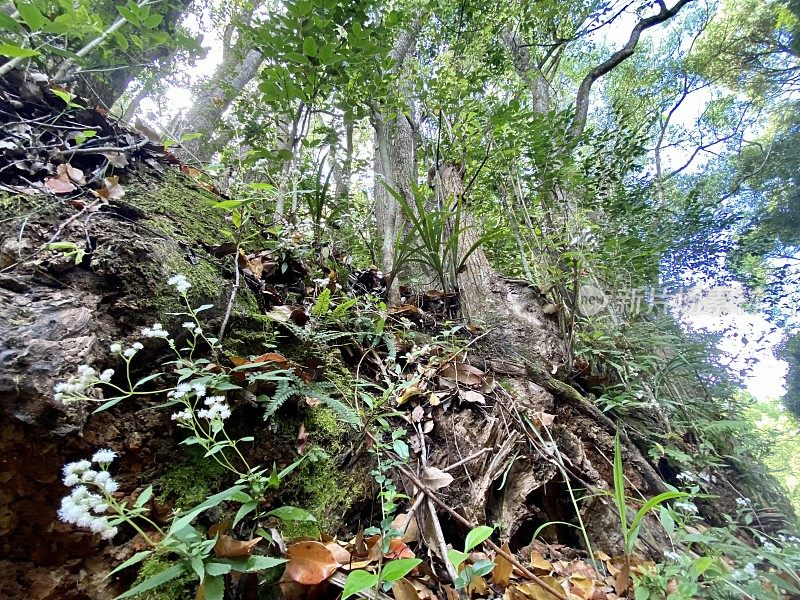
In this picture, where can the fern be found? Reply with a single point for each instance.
(288, 386)
(340, 311)
(322, 304)
(345, 412)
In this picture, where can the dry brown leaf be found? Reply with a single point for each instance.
(423, 591)
(67, 172)
(59, 186)
(227, 547)
(436, 479)
(582, 586)
(622, 579)
(435, 399)
(112, 190)
(462, 373)
(310, 563)
(534, 591)
(477, 587)
(403, 590)
(538, 562)
(407, 525)
(341, 555)
(417, 414)
(501, 574)
(410, 392)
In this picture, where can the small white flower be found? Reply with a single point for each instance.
(71, 480)
(198, 330)
(743, 501)
(116, 348)
(88, 476)
(704, 477)
(212, 400)
(108, 533)
(106, 375)
(189, 325)
(184, 415)
(137, 346)
(750, 569)
(104, 456)
(685, 476)
(199, 389)
(76, 468)
(180, 282)
(58, 397)
(129, 353)
(181, 390)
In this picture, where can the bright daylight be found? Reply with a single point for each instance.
(409, 299)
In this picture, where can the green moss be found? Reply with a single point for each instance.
(189, 483)
(325, 490)
(180, 588)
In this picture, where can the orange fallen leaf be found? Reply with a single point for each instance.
(310, 563)
(59, 186)
(399, 549)
(538, 562)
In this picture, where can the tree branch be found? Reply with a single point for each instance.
(582, 99)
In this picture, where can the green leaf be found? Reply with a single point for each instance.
(358, 581)
(215, 569)
(12, 51)
(309, 46)
(397, 569)
(476, 536)
(153, 21)
(244, 510)
(8, 23)
(214, 588)
(129, 16)
(261, 563)
(619, 489)
(210, 502)
(153, 582)
(456, 557)
(291, 513)
(702, 564)
(401, 449)
(31, 15)
(136, 558)
(482, 567)
(144, 497)
(66, 97)
(198, 567)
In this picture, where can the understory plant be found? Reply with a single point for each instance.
(201, 407)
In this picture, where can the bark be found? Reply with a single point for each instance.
(395, 164)
(212, 99)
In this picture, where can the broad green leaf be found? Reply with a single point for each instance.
(291, 513)
(153, 21)
(261, 563)
(129, 16)
(309, 47)
(32, 15)
(12, 51)
(456, 557)
(476, 536)
(397, 569)
(153, 582)
(215, 569)
(244, 510)
(7, 23)
(358, 581)
(214, 588)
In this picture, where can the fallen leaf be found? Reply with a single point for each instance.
(471, 396)
(59, 186)
(501, 574)
(227, 547)
(302, 440)
(436, 479)
(310, 563)
(403, 590)
(399, 549)
(112, 190)
(622, 580)
(116, 159)
(410, 392)
(341, 555)
(582, 586)
(538, 562)
(66, 172)
(417, 414)
(462, 373)
(477, 587)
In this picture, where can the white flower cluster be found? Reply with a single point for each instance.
(180, 282)
(156, 331)
(82, 507)
(742, 502)
(75, 386)
(217, 409)
(686, 476)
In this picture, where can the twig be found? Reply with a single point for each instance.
(234, 290)
(468, 459)
(508, 556)
(96, 149)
